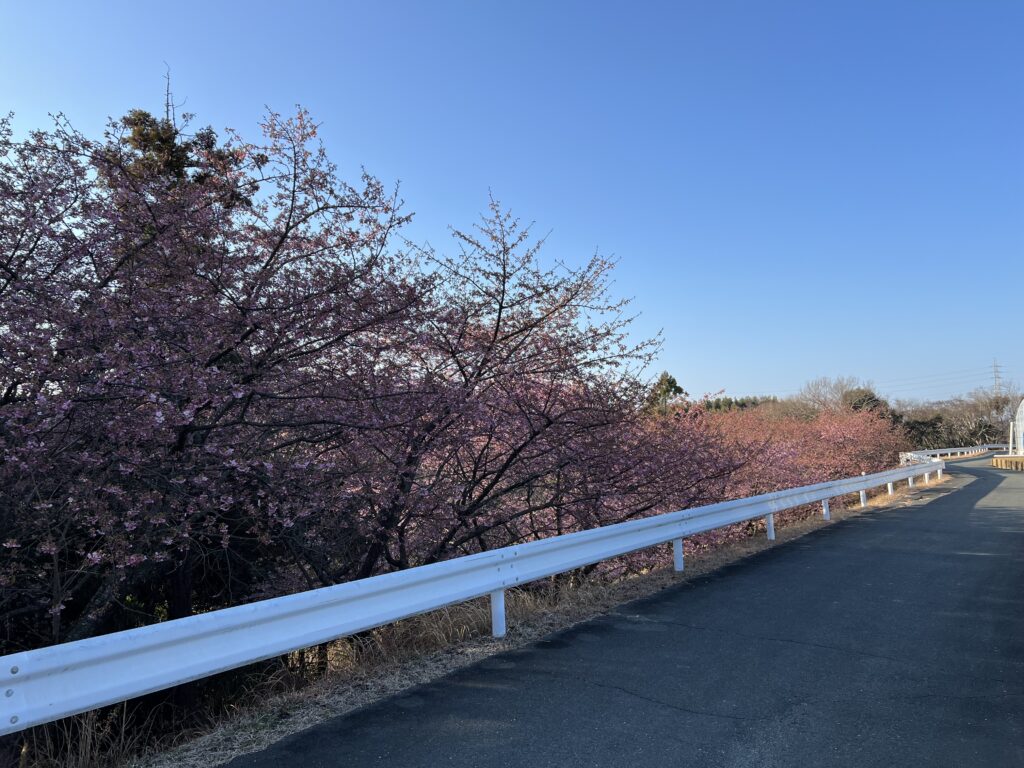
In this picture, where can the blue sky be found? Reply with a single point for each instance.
(793, 189)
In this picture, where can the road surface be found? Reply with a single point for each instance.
(891, 638)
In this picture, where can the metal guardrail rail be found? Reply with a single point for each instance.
(61, 680)
(973, 450)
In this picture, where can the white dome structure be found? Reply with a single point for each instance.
(1017, 432)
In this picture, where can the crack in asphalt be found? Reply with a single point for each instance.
(676, 707)
(966, 697)
(660, 702)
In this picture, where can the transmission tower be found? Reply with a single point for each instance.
(997, 378)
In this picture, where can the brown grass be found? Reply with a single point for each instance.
(100, 737)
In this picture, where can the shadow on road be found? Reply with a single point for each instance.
(984, 480)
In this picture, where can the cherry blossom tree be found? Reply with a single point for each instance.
(785, 451)
(182, 322)
(223, 377)
(533, 422)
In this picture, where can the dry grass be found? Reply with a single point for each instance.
(100, 737)
(354, 672)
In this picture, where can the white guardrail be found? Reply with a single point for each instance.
(50, 683)
(953, 453)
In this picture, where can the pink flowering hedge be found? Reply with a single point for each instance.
(773, 451)
(782, 451)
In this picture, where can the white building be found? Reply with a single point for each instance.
(1017, 432)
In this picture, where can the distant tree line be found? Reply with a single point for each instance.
(976, 418)
(979, 417)
(718, 404)
(666, 394)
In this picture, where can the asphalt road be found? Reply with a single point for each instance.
(895, 638)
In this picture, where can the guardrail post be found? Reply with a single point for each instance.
(938, 475)
(927, 477)
(498, 613)
(677, 555)
(888, 487)
(825, 513)
(769, 521)
(863, 499)
(910, 482)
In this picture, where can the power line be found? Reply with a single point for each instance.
(978, 379)
(963, 379)
(937, 375)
